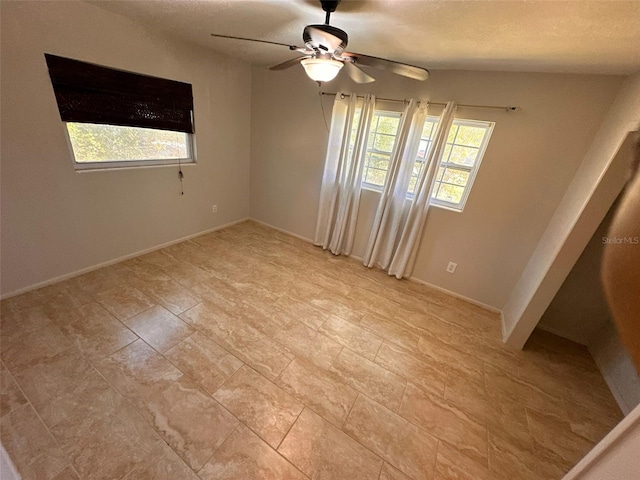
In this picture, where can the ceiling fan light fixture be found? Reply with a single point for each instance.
(321, 69)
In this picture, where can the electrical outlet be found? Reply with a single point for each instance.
(214, 209)
(451, 268)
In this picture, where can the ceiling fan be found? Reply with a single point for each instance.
(324, 54)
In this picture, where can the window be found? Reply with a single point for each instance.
(113, 146)
(463, 153)
(118, 119)
(461, 159)
(382, 139)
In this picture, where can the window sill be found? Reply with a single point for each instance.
(85, 169)
(370, 188)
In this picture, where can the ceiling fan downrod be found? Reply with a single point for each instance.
(329, 7)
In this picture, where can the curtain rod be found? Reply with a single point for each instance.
(506, 108)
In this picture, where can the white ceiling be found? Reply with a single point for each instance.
(579, 36)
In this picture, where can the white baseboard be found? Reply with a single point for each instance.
(82, 271)
(281, 230)
(472, 301)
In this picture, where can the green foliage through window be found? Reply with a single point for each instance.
(108, 143)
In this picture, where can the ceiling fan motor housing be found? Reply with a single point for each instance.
(317, 42)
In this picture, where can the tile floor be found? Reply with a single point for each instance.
(249, 354)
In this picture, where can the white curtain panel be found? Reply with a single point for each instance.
(340, 193)
(392, 207)
(404, 257)
(403, 242)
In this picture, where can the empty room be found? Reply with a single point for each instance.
(294, 239)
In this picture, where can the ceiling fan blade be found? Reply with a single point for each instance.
(288, 63)
(326, 39)
(411, 71)
(290, 47)
(357, 75)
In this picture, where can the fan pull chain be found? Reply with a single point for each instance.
(180, 176)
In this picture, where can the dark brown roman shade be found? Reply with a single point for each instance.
(89, 93)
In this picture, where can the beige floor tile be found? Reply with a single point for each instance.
(159, 328)
(262, 406)
(162, 464)
(318, 389)
(370, 378)
(436, 349)
(107, 442)
(204, 361)
(509, 460)
(390, 331)
(185, 274)
(445, 422)
(453, 465)
(218, 293)
(96, 281)
(30, 446)
(139, 273)
(171, 295)
(139, 373)
(64, 308)
(523, 391)
(321, 451)
(556, 440)
(245, 456)
(262, 353)
(15, 322)
(508, 420)
(255, 292)
(465, 389)
(56, 386)
(393, 438)
(428, 375)
(29, 348)
(66, 474)
(263, 316)
(215, 322)
(376, 304)
(98, 334)
(159, 259)
(391, 473)
(304, 313)
(332, 303)
(361, 341)
(190, 421)
(123, 301)
(309, 344)
(584, 422)
(11, 396)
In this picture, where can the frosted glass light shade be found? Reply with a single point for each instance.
(321, 69)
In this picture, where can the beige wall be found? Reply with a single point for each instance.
(599, 180)
(579, 312)
(56, 221)
(530, 161)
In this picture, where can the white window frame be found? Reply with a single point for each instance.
(473, 171)
(116, 164)
(387, 113)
